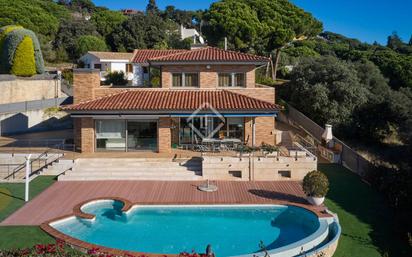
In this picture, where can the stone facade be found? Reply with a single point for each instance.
(257, 168)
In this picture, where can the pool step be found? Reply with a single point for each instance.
(135, 169)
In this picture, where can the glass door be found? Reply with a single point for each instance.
(141, 135)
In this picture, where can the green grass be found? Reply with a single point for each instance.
(11, 199)
(367, 223)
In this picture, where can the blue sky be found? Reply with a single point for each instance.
(367, 20)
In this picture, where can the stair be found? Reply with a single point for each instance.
(134, 169)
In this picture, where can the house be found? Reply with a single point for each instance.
(107, 62)
(207, 99)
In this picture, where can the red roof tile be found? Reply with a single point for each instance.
(142, 55)
(174, 100)
(210, 54)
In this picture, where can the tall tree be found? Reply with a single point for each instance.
(261, 26)
(394, 41)
(152, 7)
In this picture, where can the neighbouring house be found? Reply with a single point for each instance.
(107, 62)
(207, 99)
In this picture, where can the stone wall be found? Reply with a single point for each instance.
(257, 168)
(14, 89)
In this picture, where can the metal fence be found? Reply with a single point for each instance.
(349, 157)
(31, 105)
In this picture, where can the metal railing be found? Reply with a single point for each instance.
(49, 152)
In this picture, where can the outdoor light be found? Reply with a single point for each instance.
(208, 67)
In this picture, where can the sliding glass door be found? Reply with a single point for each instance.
(141, 135)
(126, 135)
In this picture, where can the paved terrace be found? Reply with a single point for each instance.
(60, 198)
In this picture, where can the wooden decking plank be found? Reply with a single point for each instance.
(61, 197)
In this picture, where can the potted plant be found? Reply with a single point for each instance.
(315, 186)
(269, 150)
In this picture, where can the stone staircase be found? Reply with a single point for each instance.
(134, 169)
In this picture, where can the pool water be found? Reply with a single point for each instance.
(230, 230)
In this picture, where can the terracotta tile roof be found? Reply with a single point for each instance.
(210, 54)
(142, 55)
(112, 55)
(174, 100)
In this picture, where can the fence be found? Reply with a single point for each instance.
(349, 158)
(31, 105)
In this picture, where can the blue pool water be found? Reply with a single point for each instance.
(230, 230)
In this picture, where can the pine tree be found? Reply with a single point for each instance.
(152, 7)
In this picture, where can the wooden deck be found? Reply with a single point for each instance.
(60, 198)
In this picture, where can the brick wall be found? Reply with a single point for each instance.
(85, 81)
(164, 135)
(84, 134)
(208, 78)
(264, 130)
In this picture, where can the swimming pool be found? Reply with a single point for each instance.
(231, 229)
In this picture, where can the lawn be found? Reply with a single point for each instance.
(367, 224)
(11, 199)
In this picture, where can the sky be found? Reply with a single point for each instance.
(366, 20)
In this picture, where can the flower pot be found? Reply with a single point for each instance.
(315, 200)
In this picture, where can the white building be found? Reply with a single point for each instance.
(109, 62)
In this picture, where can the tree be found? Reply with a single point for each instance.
(68, 33)
(410, 41)
(89, 43)
(261, 26)
(106, 21)
(140, 31)
(394, 41)
(327, 90)
(152, 8)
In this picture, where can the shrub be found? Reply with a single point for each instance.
(269, 148)
(11, 42)
(315, 184)
(89, 43)
(115, 78)
(24, 63)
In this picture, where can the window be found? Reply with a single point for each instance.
(232, 79)
(98, 66)
(185, 80)
(225, 80)
(129, 67)
(110, 135)
(284, 173)
(235, 173)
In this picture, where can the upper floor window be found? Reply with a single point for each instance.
(185, 79)
(233, 79)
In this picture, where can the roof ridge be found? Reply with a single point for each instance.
(238, 52)
(183, 52)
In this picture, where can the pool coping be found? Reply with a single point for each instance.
(127, 206)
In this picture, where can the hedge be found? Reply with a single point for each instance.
(24, 63)
(11, 40)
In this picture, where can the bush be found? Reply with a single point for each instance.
(315, 184)
(10, 43)
(269, 148)
(89, 43)
(115, 78)
(24, 63)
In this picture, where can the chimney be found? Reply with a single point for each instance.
(85, 81)
(327, 135)
(225, 43)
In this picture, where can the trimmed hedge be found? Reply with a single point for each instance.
(12, 38)
(24, 63)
